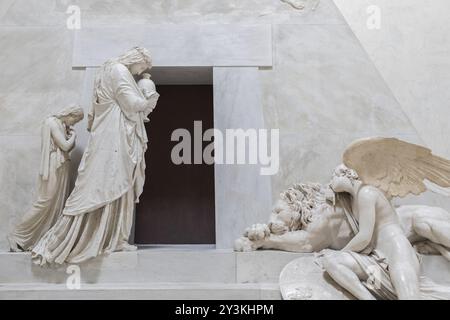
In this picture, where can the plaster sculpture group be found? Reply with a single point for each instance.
(353, 226)
(350, 223)
(97, 216)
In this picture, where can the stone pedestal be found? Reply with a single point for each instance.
(185, 272)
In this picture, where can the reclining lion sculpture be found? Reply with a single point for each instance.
(305, 219)
(354, 226)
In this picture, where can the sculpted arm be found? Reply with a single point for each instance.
(366, 207)
(317, 237)
(296, 241)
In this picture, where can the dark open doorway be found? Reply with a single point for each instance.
(177, 205)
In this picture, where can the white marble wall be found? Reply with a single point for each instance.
(36, 81)
(411, 50)
(242, 194)
(322, 92)
(178, 45)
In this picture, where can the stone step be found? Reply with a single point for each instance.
(152, 265)
(147, 291)
(177, 265)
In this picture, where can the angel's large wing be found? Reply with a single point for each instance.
(395, 166)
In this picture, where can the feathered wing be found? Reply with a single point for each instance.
(395, 166)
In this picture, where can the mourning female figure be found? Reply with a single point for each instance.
(98, 214)
(58, 139)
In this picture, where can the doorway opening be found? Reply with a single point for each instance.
(177, 206)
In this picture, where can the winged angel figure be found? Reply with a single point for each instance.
(376, 170)
(376, 258)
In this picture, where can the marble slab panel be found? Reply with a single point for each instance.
(411, 49)
(113, 12)
(37, 77)
(176, 45)
(31, 13)
(243, 196)
(324, 81)
(262, 266)
(143, 291)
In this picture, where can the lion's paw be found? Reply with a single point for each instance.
(243, 244)
(257, 232)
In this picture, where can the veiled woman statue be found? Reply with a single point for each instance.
(58, 139)
(98, 214)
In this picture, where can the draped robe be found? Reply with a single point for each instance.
(52, 191)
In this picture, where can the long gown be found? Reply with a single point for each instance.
(52, 192)
(98, 215)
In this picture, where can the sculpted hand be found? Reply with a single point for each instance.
(73, 136)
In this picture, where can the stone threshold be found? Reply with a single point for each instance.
(140, 291)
